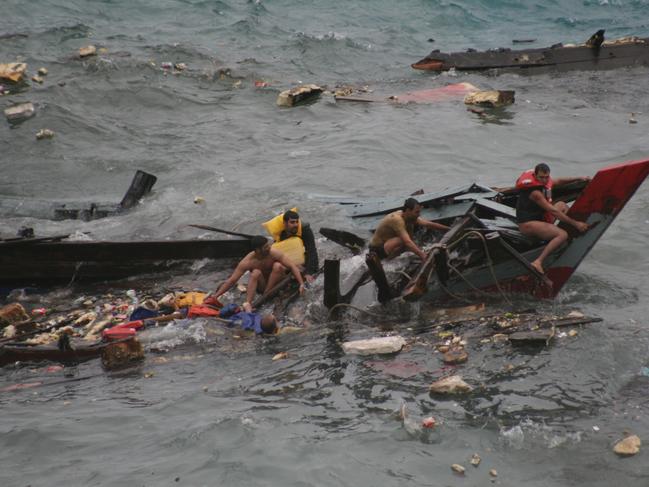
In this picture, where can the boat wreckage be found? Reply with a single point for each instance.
(484, 251)
(594, 54)
(141, 185)
(52, 260)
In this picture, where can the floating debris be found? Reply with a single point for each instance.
(298, 94)
(379, 345)
(628, 446)
(453, 384)
(493, 472)
(19, 113)
(199, 200)
(494, 98)
(632, 118)
(44, 134)
(428, 422)
(475, 460)
(280, 356)
(457, 468)
(87, 51)
(12, 313)
(42, 71)
(455, 356)
(13, 72)
(37, 79)
(121, 354)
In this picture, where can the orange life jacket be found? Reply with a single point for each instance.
(528, 180)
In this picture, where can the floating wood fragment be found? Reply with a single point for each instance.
(455, 356)
(13, 72)
(628, 446)
(298, 94)
(431, 95)
(453, 384)
(87, 51)
(493, 98)
(122, 354)
(536, 337)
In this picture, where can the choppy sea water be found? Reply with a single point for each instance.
(219, 411)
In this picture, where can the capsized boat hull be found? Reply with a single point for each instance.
(12, 353)
(560, 58)
(43, 262)
(599, 204)
(499, 260)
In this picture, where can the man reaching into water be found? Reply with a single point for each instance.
(394, 233)
(266, 267)
(536, 214)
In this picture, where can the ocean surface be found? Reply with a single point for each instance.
(213, 410)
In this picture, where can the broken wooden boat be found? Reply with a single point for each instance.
(141, 185)
(21, 352)
(43, 261)
(484, 251)
(592, 55)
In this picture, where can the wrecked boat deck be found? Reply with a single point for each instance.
(484, 251)
(619, 53)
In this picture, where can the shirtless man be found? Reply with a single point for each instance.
(264, 263)
(532, 207)
(394, 233)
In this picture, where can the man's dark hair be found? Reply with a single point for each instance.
(257, 242)
(268, 324)
(291, 215)
(410, 204)
(542, 167)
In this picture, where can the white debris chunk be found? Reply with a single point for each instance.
(377, 345)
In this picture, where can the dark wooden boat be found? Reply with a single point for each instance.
(629, 51)
(141, 185)
(484, 251)
(21, 352)
(25, 262)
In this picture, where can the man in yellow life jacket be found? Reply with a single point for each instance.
(264, 264)
(296, 241)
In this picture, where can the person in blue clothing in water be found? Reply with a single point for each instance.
(260, 324)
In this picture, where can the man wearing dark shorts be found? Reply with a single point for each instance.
(394, 233)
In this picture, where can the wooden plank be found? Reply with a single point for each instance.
(419, 283)
(378, 275)
(346, 239)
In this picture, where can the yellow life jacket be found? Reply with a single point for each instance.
(292, 247)
(184, 300)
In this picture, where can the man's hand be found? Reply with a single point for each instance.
(301, 289)
(309, 278)
(581, 226)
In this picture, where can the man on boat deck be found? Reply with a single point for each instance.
(536, 214)
(291, 228)
(394, 233)
(266, 266)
